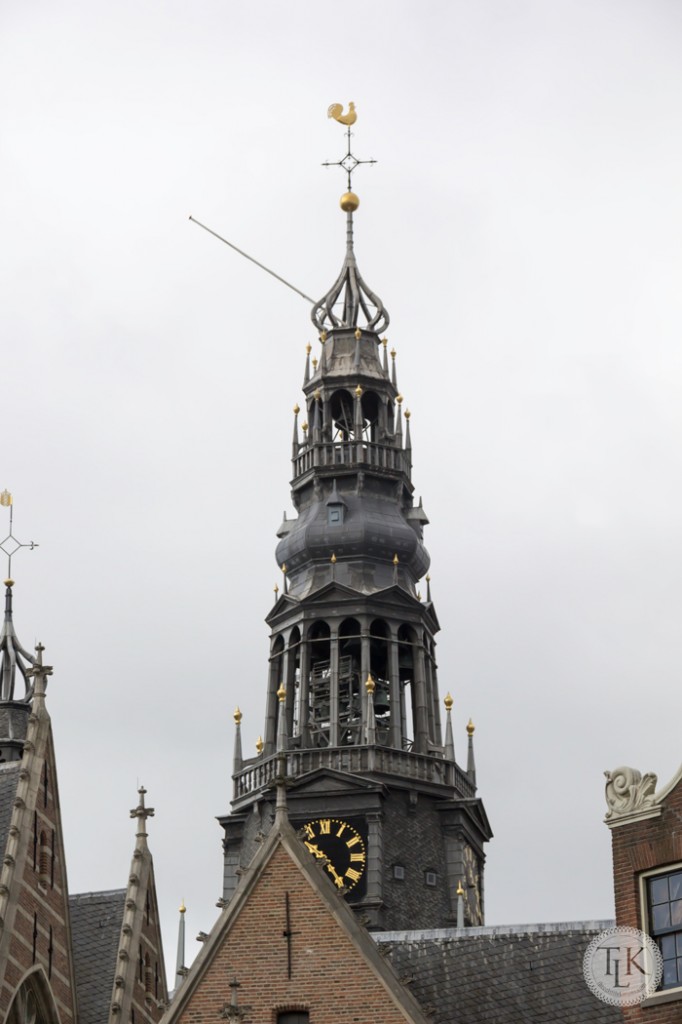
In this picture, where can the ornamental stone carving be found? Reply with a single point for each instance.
(628, 792)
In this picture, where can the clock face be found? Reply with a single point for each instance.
(339, 844)
(473, 890)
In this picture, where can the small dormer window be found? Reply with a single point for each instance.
(335, 515)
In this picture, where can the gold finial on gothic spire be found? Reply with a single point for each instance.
(470, 727)
(281, 693)
(448, 701)
(259, 745)
(237, 716)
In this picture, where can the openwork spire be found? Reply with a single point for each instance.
(15, 662)
(349, 297)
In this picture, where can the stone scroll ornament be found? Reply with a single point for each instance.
(628, 791)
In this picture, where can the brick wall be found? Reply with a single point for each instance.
(329, 976)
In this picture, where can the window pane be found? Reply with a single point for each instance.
(659, 890)
(669, 972)
(668, 948)
(661, 916)
(676, 913)
(679, 944)
(675, 883)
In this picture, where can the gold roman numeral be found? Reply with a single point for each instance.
(341, 829)
(354, 841)
(325, 826)
(358, 857)
(352, 874)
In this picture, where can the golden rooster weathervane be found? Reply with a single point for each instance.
(336, 111)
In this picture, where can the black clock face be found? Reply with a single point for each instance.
(340, 845)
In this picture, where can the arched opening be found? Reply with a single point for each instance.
(406, 669)
(342, 413)
(370, 415)
(293, 682)
(350, 690)
(380, 669)
(33, 1001)
(319, 644)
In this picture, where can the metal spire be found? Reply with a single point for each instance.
(349, 290)
(10, 545)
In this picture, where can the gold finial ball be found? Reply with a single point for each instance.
(407, 414)
(314, 363)
(297, 409)
(428, 578)
(393, 353)
(370, 685)
(460, 890)
(259, 744)
(323, 337)
(384, 342)
(448, 701)
(276, 589)
(237, 716)
(9, 582)
(317, 394)
(358, 391)
(183, 908)
(333, 559)
(358, 334)
(284, 566)
(399, 399)
(304, 428)
(395, 558)
(281, 693)
(309, 348)
(470, 727)
(349, 202)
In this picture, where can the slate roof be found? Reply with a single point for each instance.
(526, 974)
(96, 919)
(9, 776)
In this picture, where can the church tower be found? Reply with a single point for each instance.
(374, 787)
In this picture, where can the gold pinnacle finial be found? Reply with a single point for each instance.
(237, 716)
(323, 337)
(370, 685)
(395, 558)
(407, 414)
(304, 427)
(349, 202)
(259, 744)
(284, 567)
(358, 391)
(448, 701)
(460, 890)
(183, 908)
(5, 498)
(470, 727)
(9, 582)
(393, 353)
(358, 334)
(276, 589)
(399, 399)
(281, 693)
(296, 409)
(384, 342)
(308, 348)
(314, 363)
(333, 559)
(317, 394)
(428, 578)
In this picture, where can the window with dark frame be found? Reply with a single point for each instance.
(664, 904)
(293, 1017)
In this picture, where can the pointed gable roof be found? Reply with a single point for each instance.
(291, 943)
(96, 919)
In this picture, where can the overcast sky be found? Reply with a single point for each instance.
(523, 227)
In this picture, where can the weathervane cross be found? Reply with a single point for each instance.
(349, 162)
(10, 545)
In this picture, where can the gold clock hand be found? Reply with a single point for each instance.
(338, 881)
(315, 850)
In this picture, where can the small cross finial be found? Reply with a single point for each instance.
(10, 545)
(141, 812)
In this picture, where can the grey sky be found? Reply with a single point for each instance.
(523, 228)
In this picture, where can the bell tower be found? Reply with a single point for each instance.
(352, 689)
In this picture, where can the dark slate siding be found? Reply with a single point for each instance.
(500, 976)
(96, 919)
(9, 776)
(413, 838)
